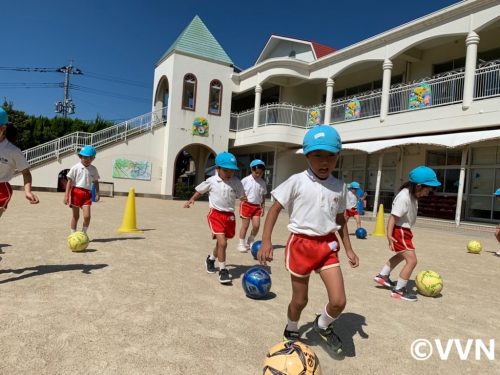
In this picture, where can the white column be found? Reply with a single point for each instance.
(461, 184)
(258, 94)
(471, 42)
(377, 187)
(386, 85)
(328, 104)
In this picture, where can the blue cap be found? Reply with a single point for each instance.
(226, 160)
(322, 137)
(4, 119)
(257, 162)
(355, 185)
(423, 175)
(88, 151)
(497, 192)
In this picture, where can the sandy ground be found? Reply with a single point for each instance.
(142, 303)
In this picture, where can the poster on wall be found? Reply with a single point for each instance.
(131, 169)
(200, 126)
(314, 117)
(420, 96)
(352, 110)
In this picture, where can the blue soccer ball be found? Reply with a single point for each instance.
(361, 233)
(256, 282)
(255, 248)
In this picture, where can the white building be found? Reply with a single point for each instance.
(426, 92)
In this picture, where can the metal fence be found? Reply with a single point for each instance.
(487, 80)
(72, 142)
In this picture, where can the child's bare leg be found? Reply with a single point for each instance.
(411, 261)
(2, 210)
(220, 248)
(358, 220)
(334, 283)
(395, 260)
(86, 217)
(300, 288)
(255, 226)
(244, 227)
(75, 217)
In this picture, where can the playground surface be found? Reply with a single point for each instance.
(142, 303)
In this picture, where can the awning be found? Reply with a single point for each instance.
(445, 140)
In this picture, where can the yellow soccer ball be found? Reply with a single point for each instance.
(78, 241)
(291, 358)
(474, 247)
(429, 283)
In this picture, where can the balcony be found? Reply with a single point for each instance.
(440, 90)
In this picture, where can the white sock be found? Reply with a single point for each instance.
(73, 230)
(242, 242)
(222, 265)
(292, 326)
(211, 257)
(401, 283)
(386, 270)
(84, 229)
(325, 320)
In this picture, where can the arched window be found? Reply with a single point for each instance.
(215, 98)
(189, 92)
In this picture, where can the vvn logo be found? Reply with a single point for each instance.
(422, 349)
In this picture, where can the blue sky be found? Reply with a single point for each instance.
(117, 43)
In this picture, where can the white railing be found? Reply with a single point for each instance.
(487, 80)
(71, 142)
(369, 106)
(445, 89)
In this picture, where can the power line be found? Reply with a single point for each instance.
(106, 93)
(116, 79)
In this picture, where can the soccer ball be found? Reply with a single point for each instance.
(255, 248)
(361, 233)
(256, 282)
(291, 358)
(78, 241)
(474, 247)
(429, 283)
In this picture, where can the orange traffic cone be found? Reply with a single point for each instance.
(128, 222)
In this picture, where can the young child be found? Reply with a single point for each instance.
(497, 230)
(316, 202)
(352, 204)
(403, 216)
(78, 193)
(223, 189)
(253, 208)
(12, 160)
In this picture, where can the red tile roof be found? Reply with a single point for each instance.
(322, 50)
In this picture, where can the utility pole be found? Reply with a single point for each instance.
(67, 107)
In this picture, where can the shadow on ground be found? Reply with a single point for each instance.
(116, 239)
(51, 268)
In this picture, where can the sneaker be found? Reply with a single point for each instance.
(497, 253)
(242, 248)
(224, 276)
(384, 280)
(404, 295)
(290, 335)
(331, 339)
(210, 265)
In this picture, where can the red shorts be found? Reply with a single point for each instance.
(403, 238)
(221, 222)
(351, 212)
(5, 194)
(80, 197)
(249, 210)
(304, 254)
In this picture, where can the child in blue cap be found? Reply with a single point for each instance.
(78, 193)
(352, 203)
(223, 189)
(253, 208)
(403, 216)
(12, 160)
(315, 201)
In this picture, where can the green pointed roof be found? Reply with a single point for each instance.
(197, 40)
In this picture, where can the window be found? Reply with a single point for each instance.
(215, 98)
(189, 92)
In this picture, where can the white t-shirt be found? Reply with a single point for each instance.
(11, 160)
(405, 207)
(222, 194)
(82, 176)
(312, 204)
(352, 200)
(255, 190)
